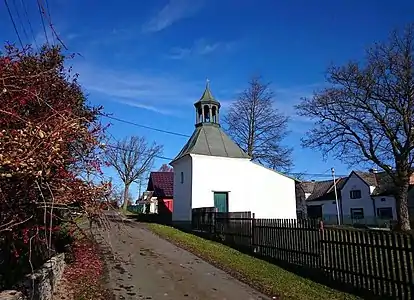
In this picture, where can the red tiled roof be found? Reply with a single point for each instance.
(162, 183)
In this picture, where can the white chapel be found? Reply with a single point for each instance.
(212, 171)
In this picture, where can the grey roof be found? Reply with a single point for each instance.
(209, 139)
(369, 177)
(207, 97)
(382, 182)
(321, 190)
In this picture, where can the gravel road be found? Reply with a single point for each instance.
(144, 266)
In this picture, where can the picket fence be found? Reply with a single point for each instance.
(378, 262)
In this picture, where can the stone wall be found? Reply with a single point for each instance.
(41, 284)
(12, 295)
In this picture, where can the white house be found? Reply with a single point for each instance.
(363, 197)
(320, 199)
(212, 171)
(368, 195)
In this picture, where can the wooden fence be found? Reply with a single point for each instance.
(380, 262)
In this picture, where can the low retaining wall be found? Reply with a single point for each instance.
(41, 284)
(12, 295)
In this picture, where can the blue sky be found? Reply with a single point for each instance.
(147, 61)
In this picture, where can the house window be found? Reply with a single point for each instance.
(182, 177)
(385, 213)
(355, 194)
(357, 213)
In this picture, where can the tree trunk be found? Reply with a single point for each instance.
(401, 199)
(126, 190)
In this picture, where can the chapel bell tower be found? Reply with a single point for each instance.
(207, 109)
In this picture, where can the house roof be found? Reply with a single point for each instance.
(370, 178)
(209, 139)
(321, 190)
(162, 183)
(380, 180)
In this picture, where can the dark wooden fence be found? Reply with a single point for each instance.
(378, 262)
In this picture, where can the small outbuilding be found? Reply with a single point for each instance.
(161, 184)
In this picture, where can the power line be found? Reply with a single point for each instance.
(30, 23)
(20, 19)
(185, 135)
(316, 174)
(43, 22)
(14, 24)
(170, 159)
(146, 127)
(132, 150)
(50, 19)
(48, 10)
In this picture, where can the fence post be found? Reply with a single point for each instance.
(214, 214)
(410, 239)
(253, 226)
(321, 247)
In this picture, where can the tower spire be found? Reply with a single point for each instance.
(207, 108)
(207, 95)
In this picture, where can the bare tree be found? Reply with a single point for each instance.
(366, 115)
(257, 126)
(132, 158)
(166, 168)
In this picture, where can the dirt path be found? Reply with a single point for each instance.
(148, 267)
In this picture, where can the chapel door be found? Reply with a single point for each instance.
(221, 201)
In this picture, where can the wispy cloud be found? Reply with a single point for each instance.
(149, 107)
(200, 47)
(159, 93)
(171, 13)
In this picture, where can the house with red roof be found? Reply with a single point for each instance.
(161, 186)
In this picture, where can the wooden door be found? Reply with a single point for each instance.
(221, 201)
(314, 211)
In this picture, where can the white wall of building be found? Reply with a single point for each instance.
(251, 187)
(328, 206)
(386, 201)
(365, 202)
(182, 191)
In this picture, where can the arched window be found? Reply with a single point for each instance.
(214, 114)
(206, 113)
(200, 115)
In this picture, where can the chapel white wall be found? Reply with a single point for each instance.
(182, 191)
(251, 187)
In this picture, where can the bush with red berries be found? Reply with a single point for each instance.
(49, 139)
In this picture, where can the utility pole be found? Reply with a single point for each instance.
(336, 196)
(139, 190)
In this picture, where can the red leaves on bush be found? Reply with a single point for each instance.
(85, 275)
(49, 138)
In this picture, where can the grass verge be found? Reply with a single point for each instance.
(263, 276)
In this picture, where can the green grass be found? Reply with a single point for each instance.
(265, 277)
